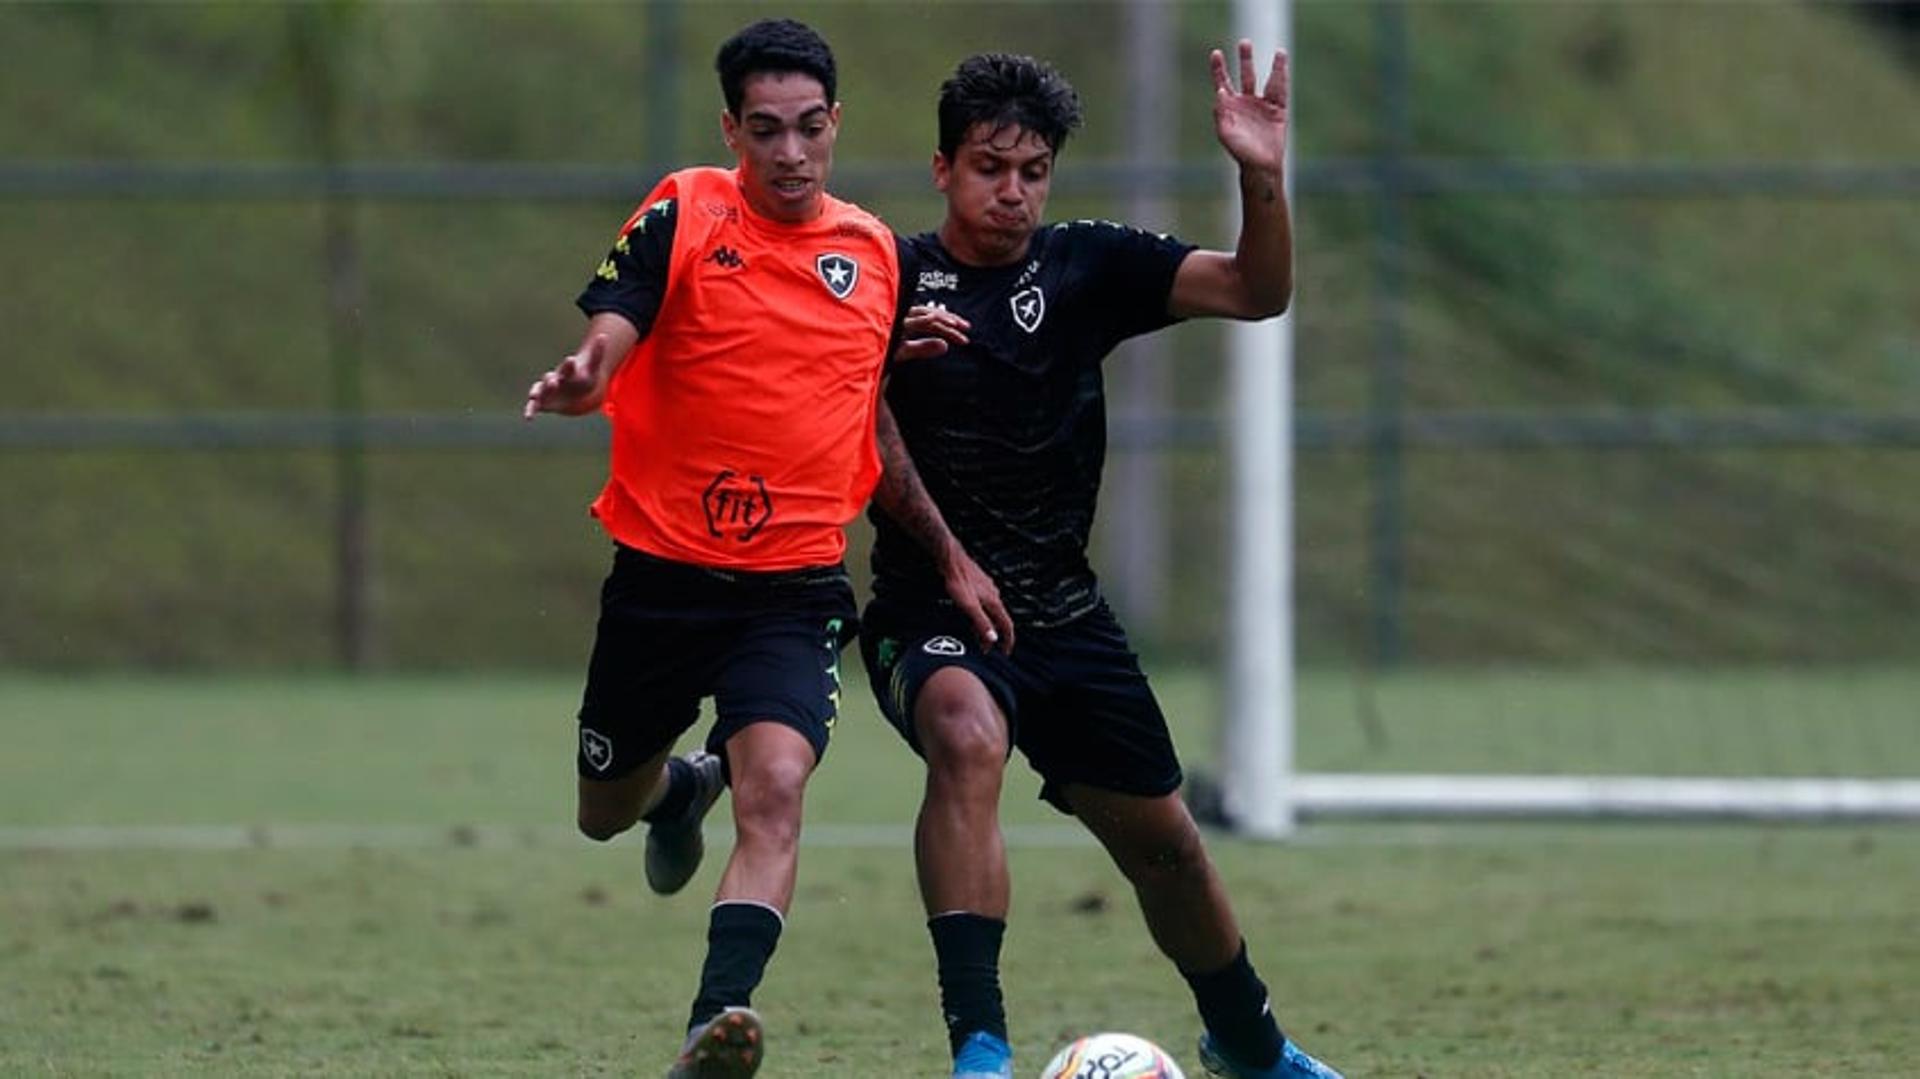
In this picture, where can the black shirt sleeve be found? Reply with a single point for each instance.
(1134, 271)
(633, 279)
(909, 260)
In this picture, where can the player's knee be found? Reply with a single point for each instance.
(1160, 859)
(963, 740)
(605, 809)
(600, 827)
(767, 800)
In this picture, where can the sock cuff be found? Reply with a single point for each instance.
(966, 918)
(1232, 969)
(746, 912)
(676, 792)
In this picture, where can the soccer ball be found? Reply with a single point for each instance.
(1111, 1056)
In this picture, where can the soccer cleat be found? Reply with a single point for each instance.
(675, 847)
(1293, 1064)
(728, 1046)
(983, 1056)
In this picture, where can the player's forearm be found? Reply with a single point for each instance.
(620, 334)
(1263, 258)
(904, 499)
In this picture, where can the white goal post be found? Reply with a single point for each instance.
(1256, 749)
(1261, 793)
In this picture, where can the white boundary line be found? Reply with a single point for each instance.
(1490, 831)
(420, 837)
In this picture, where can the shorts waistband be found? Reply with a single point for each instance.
(804, 577)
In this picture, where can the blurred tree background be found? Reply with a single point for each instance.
(1608, 339)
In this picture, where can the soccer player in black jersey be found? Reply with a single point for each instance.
(993, 463)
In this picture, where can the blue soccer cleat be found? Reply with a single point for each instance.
(1293, 1064)
(983, 1056)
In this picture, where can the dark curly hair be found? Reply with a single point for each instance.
(776, 45)
(1002, 90)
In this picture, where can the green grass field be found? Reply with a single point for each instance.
(312, 876)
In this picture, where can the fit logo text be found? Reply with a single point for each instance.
(736, 505)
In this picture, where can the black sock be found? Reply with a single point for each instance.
(678, 795)
(740, 940)
(1233, 1005)
(968, 949)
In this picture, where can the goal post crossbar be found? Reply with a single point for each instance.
(1324, 795)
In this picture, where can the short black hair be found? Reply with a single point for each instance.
(776, 45)
(1002, 90)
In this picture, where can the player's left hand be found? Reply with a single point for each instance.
(1252, 126)
(928, 330)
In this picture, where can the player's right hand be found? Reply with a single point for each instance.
(575, 385)
(979, 599)
(928, 330)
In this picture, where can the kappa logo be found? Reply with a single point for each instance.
(944, 646)
(726, 256)
(838, 272)
(733, 501)
(1029, 307)
(597, 748)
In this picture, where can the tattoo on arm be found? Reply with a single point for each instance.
(902, 496)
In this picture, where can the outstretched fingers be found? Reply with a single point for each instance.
(1277, 79)
(1223, 82)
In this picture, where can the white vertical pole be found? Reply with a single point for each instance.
(1257, 770)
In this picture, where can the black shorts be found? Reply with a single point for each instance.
(1077, 703)
(764, 646)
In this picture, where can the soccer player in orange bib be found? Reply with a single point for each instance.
(736, 338)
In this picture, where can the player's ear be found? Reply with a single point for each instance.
(940, 171)
(730, 131)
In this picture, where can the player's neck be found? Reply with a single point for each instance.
(781, 217)
(965, 247)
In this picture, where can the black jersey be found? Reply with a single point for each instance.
(1009, 431)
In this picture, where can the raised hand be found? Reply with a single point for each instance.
(1252, 126)
(576, 385)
